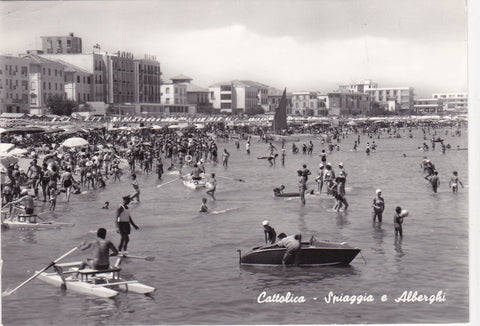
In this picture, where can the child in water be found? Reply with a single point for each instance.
(204, 208)
(454, 181)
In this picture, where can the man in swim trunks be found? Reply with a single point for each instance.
(196, 172)
(123, 221)
(101, 252)
(27, 202)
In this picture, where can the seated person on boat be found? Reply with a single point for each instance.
(101, 252)
(196, 172)
(27, 206)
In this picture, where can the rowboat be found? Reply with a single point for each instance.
(313, 253)
(30, 223)
(100, 283)
(194, 184)
(287, 194)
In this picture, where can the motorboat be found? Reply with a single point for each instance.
(313, 253)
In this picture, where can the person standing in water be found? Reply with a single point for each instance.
(122, 222)
(398, 217)
(378, 206)
(454, 181)
(225, 157)
(213, 186)
(434, 181)
(135, 186)
(302, 186)
(270, 234)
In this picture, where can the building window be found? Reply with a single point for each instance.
(49, 72)
(167, 90)
(78, 79)
(167, 101)
(33, 101)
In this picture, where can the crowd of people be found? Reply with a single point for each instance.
(56, 169)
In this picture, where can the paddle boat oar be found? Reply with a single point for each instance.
(166, 183)
(147, 258)
(7, 293)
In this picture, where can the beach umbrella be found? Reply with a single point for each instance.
(75, 142)
(6, 161)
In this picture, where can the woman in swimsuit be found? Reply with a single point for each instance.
(67, 182)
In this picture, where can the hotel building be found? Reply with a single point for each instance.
(455, 102)
(239, 96)
(61, 44)
(14, 85)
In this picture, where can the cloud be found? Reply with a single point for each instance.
(235, 52)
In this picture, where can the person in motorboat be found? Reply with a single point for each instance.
(101, 252)
(270, 234)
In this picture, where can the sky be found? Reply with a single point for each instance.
(298, 44)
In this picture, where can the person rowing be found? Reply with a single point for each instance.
(101, 252)
(196, 172)
(27, 201)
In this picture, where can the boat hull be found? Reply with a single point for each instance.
(27, 226)
(100, 290)
(194, 184)
(287, 194)
(320, 254)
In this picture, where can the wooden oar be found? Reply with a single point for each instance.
(166, 183)
(147, 258)
(6, 293)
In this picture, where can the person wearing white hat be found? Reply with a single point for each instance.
(378, 206)
(270, 234)
(27, 203)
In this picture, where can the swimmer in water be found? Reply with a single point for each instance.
(204, 208)
(454, 181)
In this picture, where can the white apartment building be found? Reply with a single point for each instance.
(394, 99)
(171, 93)
(429, 106)
(92, 63)
(46, 79)
(14, 85)
(309, 104)
(454, 102)
(78, 83)
(239, 96)
(360, 87)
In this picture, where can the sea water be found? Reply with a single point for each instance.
(196, 269)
